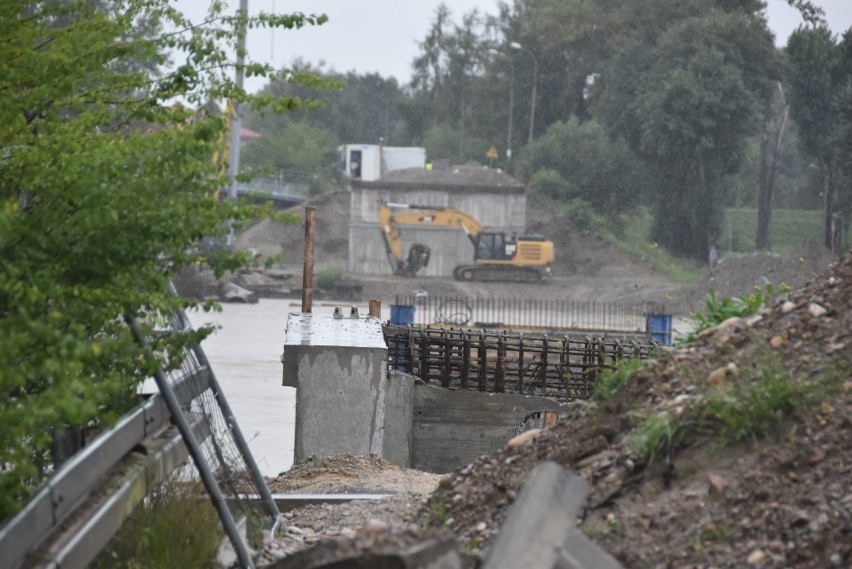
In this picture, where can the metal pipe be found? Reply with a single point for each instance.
(375, 308)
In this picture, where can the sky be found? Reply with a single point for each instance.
(382, 36)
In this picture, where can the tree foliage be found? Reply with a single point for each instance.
(820, 76)
(578, 160)
(687, 105)
(106, 189)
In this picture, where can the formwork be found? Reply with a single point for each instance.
(561, 367)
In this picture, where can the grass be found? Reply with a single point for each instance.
(635, 241)
(788, 228)
(750, 410)
(612, 382)
(439, 508)
(174, 527)
(741, 409)
(328, 276)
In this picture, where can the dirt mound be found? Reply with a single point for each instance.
(286, 240)
(462, 175)
(580, 252)
(738, 276)
(730, 452)
(344, 473)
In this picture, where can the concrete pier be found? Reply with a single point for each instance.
(347, 401)
(338, 366)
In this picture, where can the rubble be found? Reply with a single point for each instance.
(771, 494)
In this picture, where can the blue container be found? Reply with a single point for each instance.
(660, 328)
(402, 314)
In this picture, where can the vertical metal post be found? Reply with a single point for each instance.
(521, 364)
(237, 123)
(445, 368)
(308, 269)
(499, 373)
(210, 484)
(465, 359)
(483, 360)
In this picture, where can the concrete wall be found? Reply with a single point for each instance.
(450, 248)
(399, 414)
(345, 401)
(367, 252)
(452, 428)
(499, 210)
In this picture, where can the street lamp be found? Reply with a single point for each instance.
(511, 102)
(516, 45)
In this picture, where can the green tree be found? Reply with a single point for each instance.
(592, 167)
(296, 152)
(820, 75)
(106, 188)
(688, 106)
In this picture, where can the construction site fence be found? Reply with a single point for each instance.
(557, 366)
(530, 313)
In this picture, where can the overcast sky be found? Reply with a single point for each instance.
(382, 35)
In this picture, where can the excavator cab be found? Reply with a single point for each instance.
(494, 246)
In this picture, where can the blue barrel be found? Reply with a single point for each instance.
(402, 314)
(660, 328)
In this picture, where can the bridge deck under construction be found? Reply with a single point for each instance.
(561, 367)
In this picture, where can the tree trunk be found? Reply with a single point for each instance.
(461, 128)
(768, 175)
(764, 197)
(827, 200)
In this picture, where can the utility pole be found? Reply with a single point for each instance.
(237, 123)
(511, 108)
(516, 45)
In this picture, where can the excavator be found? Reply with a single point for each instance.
(497, 257)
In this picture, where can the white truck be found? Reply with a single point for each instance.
(372, 161)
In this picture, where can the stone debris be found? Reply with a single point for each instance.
(784, 502)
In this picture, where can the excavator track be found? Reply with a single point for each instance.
(497, 273)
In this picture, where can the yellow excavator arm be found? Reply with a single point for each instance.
(496, 256)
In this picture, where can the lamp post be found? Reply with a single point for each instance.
(516, 45)
(511, 103)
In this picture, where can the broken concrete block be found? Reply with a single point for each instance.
(541, 527)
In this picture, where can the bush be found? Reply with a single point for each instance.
(717, 311)
(612, 382)
(583, 215)
(551, 183)
(328, 276)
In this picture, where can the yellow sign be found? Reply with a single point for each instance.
(492, 153)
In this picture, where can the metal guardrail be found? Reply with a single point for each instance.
(563, 367)
(87, 499)
(530, 313)
(39, 534)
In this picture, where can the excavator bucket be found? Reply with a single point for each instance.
(418, 257)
